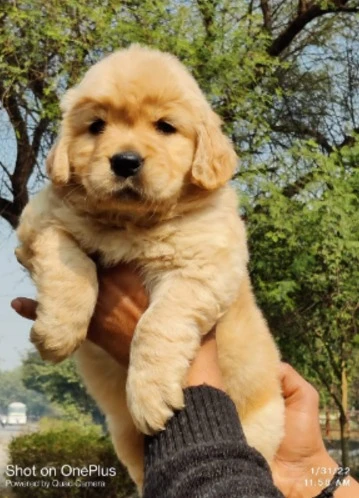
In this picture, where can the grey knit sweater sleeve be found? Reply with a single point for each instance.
(203, 453)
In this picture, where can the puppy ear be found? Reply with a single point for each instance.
(57, 163)
(68, 100)
(215, 159)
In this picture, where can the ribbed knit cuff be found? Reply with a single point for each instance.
(209, 416)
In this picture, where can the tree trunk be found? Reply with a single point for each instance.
(344, 439)
(343, 419)
(327, 424)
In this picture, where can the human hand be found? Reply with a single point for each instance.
(204, 369)
(121, 301)
(302, 451)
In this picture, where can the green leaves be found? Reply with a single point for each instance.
(305, 263)
(61, 385)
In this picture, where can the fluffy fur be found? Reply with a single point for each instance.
(177, 220)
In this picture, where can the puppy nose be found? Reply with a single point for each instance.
(126, 164)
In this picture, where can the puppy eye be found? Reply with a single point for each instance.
(165, 127)
(97, 127)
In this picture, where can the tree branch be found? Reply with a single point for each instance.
(328, 386)
(207, 10)
(307, 12)
(4, 168)
(294, 188)
(25, 159)
(300, 129)
(349, 140)
(8, 212)
(13, 111)
(38, 134)
(267, 16)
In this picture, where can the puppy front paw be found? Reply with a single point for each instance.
(152, 396)
(58, 341)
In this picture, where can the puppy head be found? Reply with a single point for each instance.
(138, 130)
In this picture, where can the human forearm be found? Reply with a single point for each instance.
(203, 452)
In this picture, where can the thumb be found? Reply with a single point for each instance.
(25, 307)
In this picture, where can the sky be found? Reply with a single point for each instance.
(14, 330)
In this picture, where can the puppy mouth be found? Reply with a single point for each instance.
(128, 193)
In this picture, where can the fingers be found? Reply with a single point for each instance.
(125, 279)
(25, 307)
(290, 378)
(295, 387)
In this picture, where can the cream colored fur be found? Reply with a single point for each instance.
(177, 220)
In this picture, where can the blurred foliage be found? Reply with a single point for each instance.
(305, 264)
(61, 385)
(13, 389)
(68, 449)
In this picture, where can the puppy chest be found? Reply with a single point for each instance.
(161, 255)
(122, 245)
(168, 246)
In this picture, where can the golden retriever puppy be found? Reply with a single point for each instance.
(139, 174)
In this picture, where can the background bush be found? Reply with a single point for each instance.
(71, 444)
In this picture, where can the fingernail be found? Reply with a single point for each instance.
(16, 305)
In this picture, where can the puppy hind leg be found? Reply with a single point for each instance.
(129, 446)
(105, 380)
(264, 428)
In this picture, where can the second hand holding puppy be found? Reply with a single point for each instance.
(122, 300)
